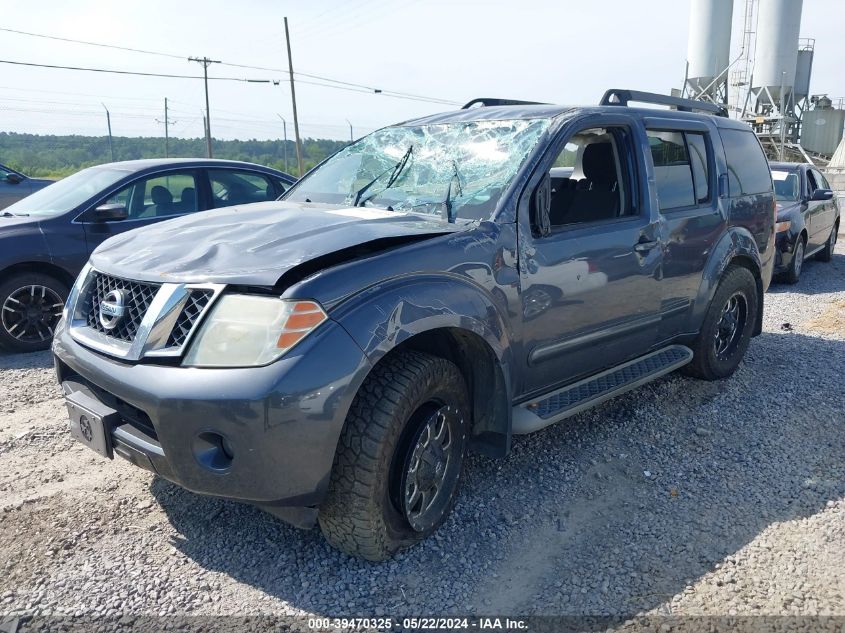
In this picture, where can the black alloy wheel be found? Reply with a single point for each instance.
(30, 314)
(730, 327)
(431, 466)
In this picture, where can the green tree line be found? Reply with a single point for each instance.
(49, 156)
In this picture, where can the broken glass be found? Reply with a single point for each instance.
(453, 170)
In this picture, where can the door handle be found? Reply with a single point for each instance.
(645, 245)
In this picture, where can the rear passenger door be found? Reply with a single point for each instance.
(589, 288)
(682, 156)
(824, 211)
(231, 187)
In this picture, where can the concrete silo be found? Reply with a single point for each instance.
(776, 52)
(708, 50)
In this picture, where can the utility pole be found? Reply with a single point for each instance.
(782, 114)
(206, 62)
(293, 99)
(285, 146)
(351, 137)
(108, 121)
(166, 135)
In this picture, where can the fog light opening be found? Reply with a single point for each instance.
(212, 451)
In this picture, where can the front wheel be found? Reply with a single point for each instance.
(398, 462)
(726, 331)
(31, 305)
(793, 274)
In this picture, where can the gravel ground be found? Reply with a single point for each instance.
(684, 497)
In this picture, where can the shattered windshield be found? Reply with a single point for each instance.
(455, 170)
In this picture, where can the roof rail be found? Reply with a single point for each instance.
(617, 96)
(486, 101)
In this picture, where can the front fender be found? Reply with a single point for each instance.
(384, 316)
(736, 243)
(23, 244)
(444, 309)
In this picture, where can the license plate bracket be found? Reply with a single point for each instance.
(91, 422)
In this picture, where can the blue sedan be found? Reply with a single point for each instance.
(46, 238)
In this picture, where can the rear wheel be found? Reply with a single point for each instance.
(826, 254)
(726, 331)
(793, 274)
(398, 463)
(31, 305)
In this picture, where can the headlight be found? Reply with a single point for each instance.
(75, 290)
(780, 227)
(249, 330)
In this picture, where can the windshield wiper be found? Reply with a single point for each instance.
(6, 214)
(397, 170)
(447, 203)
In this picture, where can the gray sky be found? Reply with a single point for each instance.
(562, 52)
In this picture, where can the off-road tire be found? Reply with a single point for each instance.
(359, 516)
(826, 254)
(9, 286)
(793, 273)
(705, 364)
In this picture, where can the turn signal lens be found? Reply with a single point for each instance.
(304, 317)
(250, 330)
(780, 227)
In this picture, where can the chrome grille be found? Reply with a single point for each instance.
(197, 301)
(139, 295)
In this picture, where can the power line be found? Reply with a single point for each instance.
(73, 41)
(361, 87)
(79, 94)
(131, 72)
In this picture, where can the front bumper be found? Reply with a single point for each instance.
(281, 422)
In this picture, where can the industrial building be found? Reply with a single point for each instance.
(767, 84)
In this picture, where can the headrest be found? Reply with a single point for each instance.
(597, 162)
(161, 195)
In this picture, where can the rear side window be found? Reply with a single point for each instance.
(748, 169)
(680, 168)
(230, 187)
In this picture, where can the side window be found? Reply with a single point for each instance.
(239, 187)
(672, 169)
(4, 173)
(697, 146)
(159, 196)
(812, 185)
(590, 180)
(821, 181)
(748, 169)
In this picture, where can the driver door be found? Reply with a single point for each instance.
(590, 291)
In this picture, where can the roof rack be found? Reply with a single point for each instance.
(617, 96)
(488, 102)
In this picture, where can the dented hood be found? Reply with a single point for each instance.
(254, 244)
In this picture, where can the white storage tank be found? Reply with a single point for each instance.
(776, 52)
(821, 128)
(709, 47)
(803, 71)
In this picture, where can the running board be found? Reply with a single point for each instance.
(553, 407)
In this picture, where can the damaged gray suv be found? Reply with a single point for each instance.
(435, 287)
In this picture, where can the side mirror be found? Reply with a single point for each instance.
(109, 213)
(822, 194)
(14, 179)
(541, 206)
